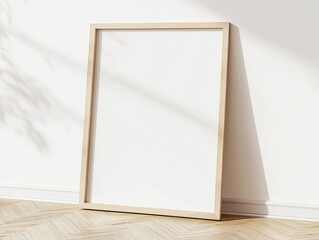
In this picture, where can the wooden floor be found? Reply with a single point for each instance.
(44, 221)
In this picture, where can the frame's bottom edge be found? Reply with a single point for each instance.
(150, 211)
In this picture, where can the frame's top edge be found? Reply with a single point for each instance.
(164, 25)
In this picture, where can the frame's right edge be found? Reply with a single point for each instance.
(221, 126)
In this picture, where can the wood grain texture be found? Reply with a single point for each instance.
(21, 220)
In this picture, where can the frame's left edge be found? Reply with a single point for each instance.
(222, 113)
(88, 116)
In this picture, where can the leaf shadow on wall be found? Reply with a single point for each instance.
(20, 95)
(243, 171)
(19, 105)
(27, 107)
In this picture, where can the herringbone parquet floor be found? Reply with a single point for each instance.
(21, 220)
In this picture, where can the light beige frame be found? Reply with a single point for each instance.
(87, 134)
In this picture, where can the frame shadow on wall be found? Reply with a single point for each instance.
(243, 171)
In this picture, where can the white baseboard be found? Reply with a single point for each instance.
(299, 211)
(229, 206)
(39, 193)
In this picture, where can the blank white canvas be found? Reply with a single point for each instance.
(156, 119)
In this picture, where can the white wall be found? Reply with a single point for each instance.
(272, 136)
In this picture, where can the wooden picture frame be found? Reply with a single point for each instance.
(88, 134)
